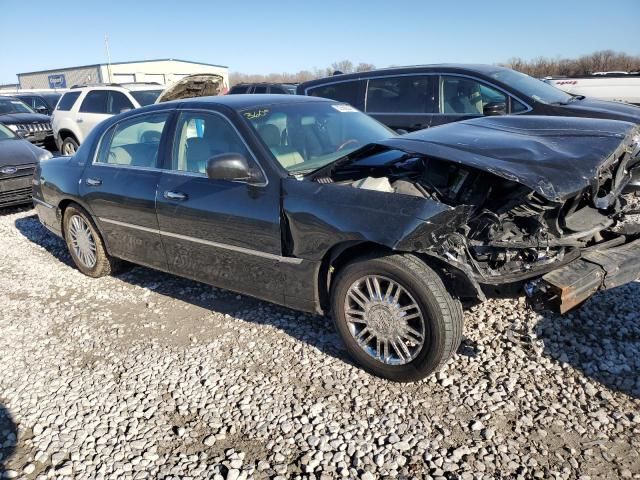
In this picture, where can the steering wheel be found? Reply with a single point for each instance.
(348, 142)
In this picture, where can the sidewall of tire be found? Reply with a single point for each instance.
(434, 351)
(103, 262)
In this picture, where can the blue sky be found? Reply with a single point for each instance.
(263, 37)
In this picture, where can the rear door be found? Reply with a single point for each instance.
(226, 233)
(92, 111)
(119, 187)
(403, 101)
(348, 91)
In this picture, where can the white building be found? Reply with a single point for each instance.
(163, 71)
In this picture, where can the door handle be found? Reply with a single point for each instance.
(79, 120)
(175, 195)
(93, 182)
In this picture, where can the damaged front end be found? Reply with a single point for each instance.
(561, 245)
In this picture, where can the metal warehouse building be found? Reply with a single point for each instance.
(163, 71)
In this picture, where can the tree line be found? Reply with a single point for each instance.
(602, 61)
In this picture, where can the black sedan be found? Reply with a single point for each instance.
(18, 159)
(311, 204)
(413, 98)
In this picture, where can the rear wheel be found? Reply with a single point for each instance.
(396, 317)
(85, 245)
(69, 146)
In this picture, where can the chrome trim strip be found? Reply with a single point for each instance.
(43, 203)
(224, 246)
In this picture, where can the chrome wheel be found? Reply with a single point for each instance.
(82, 242)
(385, 320)
(68, 148)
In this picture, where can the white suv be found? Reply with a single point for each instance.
(82, 108)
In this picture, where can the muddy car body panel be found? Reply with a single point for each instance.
(486, 202)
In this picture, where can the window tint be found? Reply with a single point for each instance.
(406, 94)
(348, 92)
(239, 89)
(466, 96)
(200, 136)
(37, 102)
(95, 102)
(118, 103)
(276, 89)
(517, 107)
(260, 89)
(67, 101)
(134, 142)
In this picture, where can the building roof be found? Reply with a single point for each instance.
(121, 63)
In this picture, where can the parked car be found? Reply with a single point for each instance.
(40, 102)
(412, 98)
(18, 159)
(613, 86)
(279, 88)
(21, 119)
(308, 203)
(83, 107)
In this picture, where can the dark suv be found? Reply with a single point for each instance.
(26, 123)
(282, 88)
(44, 103)
(413, 98)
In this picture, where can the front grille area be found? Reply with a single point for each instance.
(21, 171)
(35, 127)
(14, 197)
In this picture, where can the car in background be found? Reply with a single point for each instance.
(82, 107)
(40, 102)
(279, 88)
(309, 203)
(613, 86)
(417, 97)
(18, 160)
(22, 120)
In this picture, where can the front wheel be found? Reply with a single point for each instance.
(69, 146)
(396, 317)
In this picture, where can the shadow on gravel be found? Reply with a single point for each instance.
(8, 438)
(312, 329)
(601, 338)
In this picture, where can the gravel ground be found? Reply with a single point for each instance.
(146, 375)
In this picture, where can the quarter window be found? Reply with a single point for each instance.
(466, 96)
(347, 92)
(200, 136)
(118, 103)
(66, 102)
(404, 94)
(134, 142)
(95, 102)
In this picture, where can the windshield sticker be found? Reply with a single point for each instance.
(343, 107)
(263, 112)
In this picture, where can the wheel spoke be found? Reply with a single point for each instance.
(412, 335)
(368, 282)
(376, 286)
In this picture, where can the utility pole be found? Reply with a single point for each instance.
(106, 45)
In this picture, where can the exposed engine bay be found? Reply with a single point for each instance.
(511, 232)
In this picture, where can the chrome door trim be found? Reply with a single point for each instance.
(224, 246)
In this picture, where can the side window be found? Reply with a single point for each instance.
(517, 107)
(239, 89)
(37, 102)
(276, 89)
(200, 136)
(134, 142)
(461, 95)
(95, 102)
(348, 92)
(260, 89)
(118, 102)
(66, 102)
(404, 94)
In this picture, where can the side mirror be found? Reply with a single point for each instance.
(43, 110)
(401, 131)
(230, 166)
(495, 108)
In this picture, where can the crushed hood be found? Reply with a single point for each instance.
(199, 85)
(556, 157)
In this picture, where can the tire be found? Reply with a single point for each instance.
(436, 314)
(76, 219)
(69, 146)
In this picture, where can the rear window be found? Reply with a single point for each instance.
(67, 101)
(239, 89)
(145, 97)
(347, 92)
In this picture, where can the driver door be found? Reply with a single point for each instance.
(225, 233)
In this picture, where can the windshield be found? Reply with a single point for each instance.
(145, 97)
(13, 105)
(5, 133)
(307, 136)
(532, 87)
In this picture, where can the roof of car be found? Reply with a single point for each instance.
(479, 68)
(244, 101)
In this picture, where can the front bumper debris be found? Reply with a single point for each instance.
(569, 286)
